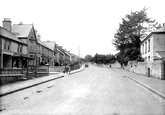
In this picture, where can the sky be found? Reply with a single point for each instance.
(80, 26)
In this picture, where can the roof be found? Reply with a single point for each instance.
(162, 29)
(60, 51)
(50, 44)
(158, 31)
(4, 32)
(67, 53)
(43, 44)
(21, 30)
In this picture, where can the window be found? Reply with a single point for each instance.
(149, 45)
(145, 47)
(4, 44)
(31, 45)
(19, 48)
(7, 44)
(142, 49)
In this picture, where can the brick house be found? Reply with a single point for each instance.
(26, 33)
(46, 53)
(11, 48)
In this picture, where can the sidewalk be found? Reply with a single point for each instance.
(18, 86)
(154, 85)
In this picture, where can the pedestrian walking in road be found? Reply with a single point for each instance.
(67, 69)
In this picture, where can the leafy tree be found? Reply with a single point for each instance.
(88, 57)
(103, 59)
(127, 38)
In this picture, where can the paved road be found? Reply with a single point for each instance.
(94, 91)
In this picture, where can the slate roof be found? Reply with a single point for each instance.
(43, 44)
(60, 51)
(4, 32)
(160, 30)
(50, 44)
(21, 30)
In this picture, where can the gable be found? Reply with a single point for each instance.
(32, 35)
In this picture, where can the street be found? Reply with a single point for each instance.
(94, 91)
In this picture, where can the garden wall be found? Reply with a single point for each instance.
(152, 69)
(116, 65)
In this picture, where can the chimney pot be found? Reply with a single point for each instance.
(7, 24)
(38, 37)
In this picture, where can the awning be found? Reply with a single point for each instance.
(25, 56)
(160, 54)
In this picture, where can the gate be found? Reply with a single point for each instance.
(148, 72)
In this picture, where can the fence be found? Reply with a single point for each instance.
(10, 71)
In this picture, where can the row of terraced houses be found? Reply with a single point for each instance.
(20, 45)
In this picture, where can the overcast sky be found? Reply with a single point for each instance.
(88, 24)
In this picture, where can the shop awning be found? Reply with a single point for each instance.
(25, 56)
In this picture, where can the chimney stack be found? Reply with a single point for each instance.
(7, 24)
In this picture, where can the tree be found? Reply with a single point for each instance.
(103, 59)
(127, 38)
(88, 57)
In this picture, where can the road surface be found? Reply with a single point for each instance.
(94, 91)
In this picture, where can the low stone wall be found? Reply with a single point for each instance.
(152, 69)
(116, 65)
(139, 68)
(10, 75)
(157, 69)
(56, 68)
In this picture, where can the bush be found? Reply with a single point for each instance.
(74, 66)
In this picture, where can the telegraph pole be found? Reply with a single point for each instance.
(79, 51)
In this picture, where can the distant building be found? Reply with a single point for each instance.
(60, 55)
(153, 46)
(53, 47)
(68, 57)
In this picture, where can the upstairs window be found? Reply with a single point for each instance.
(149, 45)
(4, 44)
(7, 44)
(145, 47)
(19, 48)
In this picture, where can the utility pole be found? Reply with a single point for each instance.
(79, 51)
(79, 54)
